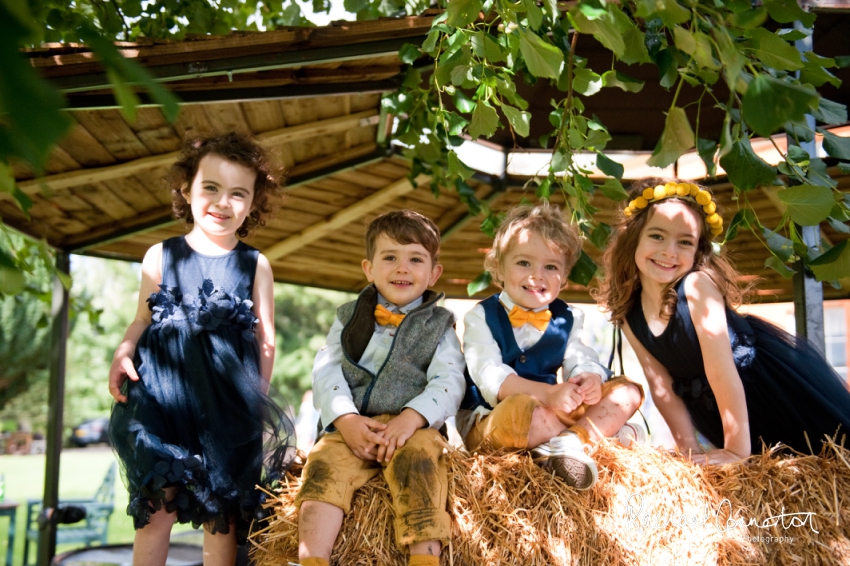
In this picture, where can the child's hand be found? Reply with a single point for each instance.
(589, 386)
(121, 368)
(361, 434)
(564, 397)
(399, 429)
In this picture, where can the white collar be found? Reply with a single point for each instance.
(393, 307)
(509, 304)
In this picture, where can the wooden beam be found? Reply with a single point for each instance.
(343, 217)
(284, 135)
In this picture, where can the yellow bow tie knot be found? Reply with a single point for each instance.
(385, 317)
(539, 320)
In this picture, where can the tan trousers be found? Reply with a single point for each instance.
(416, 475)
(507, 426)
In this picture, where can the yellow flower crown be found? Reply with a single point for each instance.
(686, 191)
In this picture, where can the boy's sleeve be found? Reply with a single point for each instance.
(442, 396)
(483, 356)
(331, 394)
(578, 356)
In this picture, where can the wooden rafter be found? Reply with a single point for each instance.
(343, 217)
(284, 135)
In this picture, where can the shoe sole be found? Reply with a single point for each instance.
(576, 473)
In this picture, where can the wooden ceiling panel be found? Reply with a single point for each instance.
(134, 193)
(192, 121)
(300, 110)
(112, 131)
(364, 101)
(84, 148)
(226, 117)
(263, 115)
(155, 132)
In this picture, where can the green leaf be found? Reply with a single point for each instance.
(670, 12)
(599, 237)
(430, 42)
(543, 189)
(808, 205)
(583, 271)
(586, 82)
(744, 218)
(458, 167)
(604, 30)
(774, 51)
(833, 264)
(781, 246)
(838, 226)
(533, 13)
(124, 95)
(609, 167)
(543, 59)
(613, 189)
(455, 123)
(677, 138)
(479, 284)
(12, 280)
(745, 169)
(131, 72)
(787, 11)
(829, 112)
(816, 75)
(463, 102)
(634, 40)
(409, 53)
(485, 120)
(520, 121)
(463, 12)
(706, 150)
(770, 102)
(749, 19)
(779, 266)
(799, 131)
(621, 80)
(835, 146)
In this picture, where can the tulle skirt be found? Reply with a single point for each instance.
(197, 421)
(794, 396)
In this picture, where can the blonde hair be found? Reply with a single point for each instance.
(544, 219)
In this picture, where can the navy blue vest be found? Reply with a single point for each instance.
(538, 363)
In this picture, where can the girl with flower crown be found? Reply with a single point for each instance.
(738, 380)
(193, 426)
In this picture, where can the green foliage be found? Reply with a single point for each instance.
(479, 49)
(303, 317)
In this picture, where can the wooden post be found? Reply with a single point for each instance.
(808, 291)
(56, 397)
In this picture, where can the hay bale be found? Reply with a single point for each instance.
(649, 507)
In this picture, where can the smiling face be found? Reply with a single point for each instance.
(532, 273)
(401, 272)
(667, 244)
(221, 196)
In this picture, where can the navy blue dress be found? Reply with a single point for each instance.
(197, 420)
(789, 386)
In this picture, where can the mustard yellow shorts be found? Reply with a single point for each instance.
(416, 475)
(507, 426)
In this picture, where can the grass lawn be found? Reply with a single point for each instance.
(80, 474)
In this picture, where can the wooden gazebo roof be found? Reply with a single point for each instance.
(312, 96)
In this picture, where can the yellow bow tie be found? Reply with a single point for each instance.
(385, 317)
(539, 320)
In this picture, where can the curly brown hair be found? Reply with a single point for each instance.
(241, 149)
(548, 222)
(620, 288)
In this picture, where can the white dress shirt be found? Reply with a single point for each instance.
(484, 358)
(438, 401)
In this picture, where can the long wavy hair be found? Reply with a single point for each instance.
(620, 287)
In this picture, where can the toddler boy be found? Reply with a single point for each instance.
(515, 343)
(388, 377)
